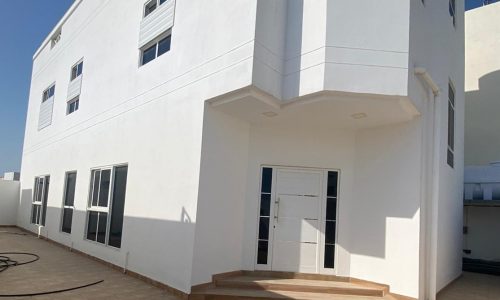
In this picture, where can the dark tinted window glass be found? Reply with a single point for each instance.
(92, 226)
(331, 209)
(150, 7)
(96, 175)
(162, 1)
(45, 198)
(67, 219)
(35, 210)
(330, 232)
(149, 54)
(116, 225)
(332, 184)
(101, 227)
(69, 198)
(265, 204)
(267, 179)
(262, 253)
(39, 190)
(104, 188)
(451, 126)
(264, 228)
(450, 159)
(164, 45)
(329, 256)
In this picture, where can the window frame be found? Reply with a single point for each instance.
(46, 92)
(42, 203)
(100, 209)
(155, 43)
(78, 66)
(75, 100)
(450, 144)
(64, 206)
(158, 3)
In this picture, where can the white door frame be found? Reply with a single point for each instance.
(322, 217)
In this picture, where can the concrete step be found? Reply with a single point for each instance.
(301, 285)
(223, 293)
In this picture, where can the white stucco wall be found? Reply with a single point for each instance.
(221, 203)
(150, 117)
(9, 200)
(437, 46)
(192, 192)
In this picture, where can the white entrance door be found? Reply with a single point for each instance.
(296, 223)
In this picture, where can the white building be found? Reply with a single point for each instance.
(182, 139)
(482, 145)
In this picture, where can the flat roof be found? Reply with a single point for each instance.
(57, 27)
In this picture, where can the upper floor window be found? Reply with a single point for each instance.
(159, 47)
(48, 93)
(451, 125)
(151, 5)
(72, 105)
(76, 70)
(452, 9)
(55, 39)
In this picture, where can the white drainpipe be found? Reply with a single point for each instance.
(432, 206)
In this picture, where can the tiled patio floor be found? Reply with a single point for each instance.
(59, 269)
(473, 286)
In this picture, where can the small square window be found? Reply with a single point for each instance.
(76, 70)
(150, 7)
(72, 105)
(149, 54)
(164, 45)
(48, 93)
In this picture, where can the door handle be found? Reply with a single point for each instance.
(277, 206)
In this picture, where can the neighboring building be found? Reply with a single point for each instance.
(482, 137)
(182, 139)
(12, 176)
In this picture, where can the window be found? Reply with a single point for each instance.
(330, 220)
(72, 105)
(39, 204)
(76, 70)
(48, 93)
(159, 47)
(150, 6)
(451, 125)
(69, 200)
(452, 7)
(106, 205)
(55, 39)
(265, 216)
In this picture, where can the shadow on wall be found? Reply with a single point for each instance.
(293, 49)
(482, 119)
(158, 249)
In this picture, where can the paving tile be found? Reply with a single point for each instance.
(473, 286)
(59, 268)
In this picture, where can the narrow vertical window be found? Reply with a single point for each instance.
(106, 205)
(39, 203)
(264, 216)
(331, 220)
(451, 125)
(452, 10)
(69, 200)
(117, 209)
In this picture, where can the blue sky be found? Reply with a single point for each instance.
(21, 33)
(23, 26)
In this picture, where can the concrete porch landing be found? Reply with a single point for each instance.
(269, 285)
